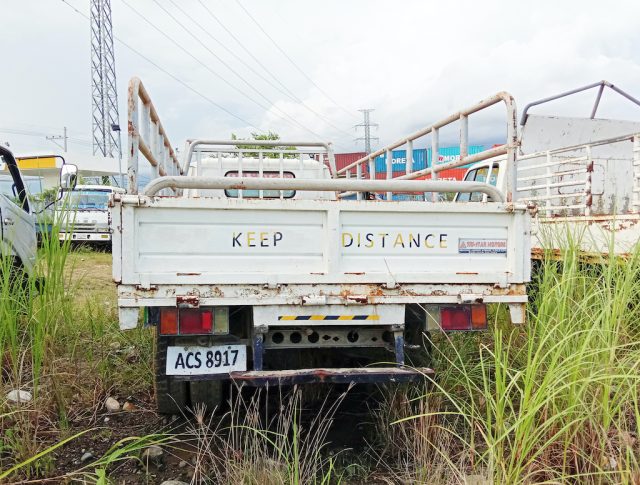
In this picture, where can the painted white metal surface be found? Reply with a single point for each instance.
(227, 241)
(542, 133)
(373, 315)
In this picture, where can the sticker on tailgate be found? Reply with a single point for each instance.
(482, 246)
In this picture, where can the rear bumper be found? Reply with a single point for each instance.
(322, 376)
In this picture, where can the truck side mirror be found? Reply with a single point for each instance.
(68, 177)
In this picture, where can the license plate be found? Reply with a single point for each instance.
(217, 359)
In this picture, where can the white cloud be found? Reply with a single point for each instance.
(413, 61)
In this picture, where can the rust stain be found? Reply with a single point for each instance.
(358, 298)
(142, 289)
(188, 300)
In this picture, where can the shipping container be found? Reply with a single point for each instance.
(421, 158)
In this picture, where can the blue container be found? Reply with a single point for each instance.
(422, 158)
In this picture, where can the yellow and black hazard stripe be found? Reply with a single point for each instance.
(328, 317)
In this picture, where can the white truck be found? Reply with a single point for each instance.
(582, 176)
(252, 269)
(85, 213)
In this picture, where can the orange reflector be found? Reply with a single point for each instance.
(169, 321)
(478, 317)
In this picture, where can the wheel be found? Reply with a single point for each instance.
(171, 394)
(207, 394)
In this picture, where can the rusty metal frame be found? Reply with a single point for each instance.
(146, 135)
(349, 375)
(586, 159)
(601, 85)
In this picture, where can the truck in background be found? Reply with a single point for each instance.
(582, 176)
(253, 267)
(85, 212)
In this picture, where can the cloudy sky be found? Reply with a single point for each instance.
(414, 62)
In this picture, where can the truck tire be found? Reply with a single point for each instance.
(207, 394)
(171, 394)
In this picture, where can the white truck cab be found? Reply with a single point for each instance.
(288, 168)
(489, 171)
(85, 211)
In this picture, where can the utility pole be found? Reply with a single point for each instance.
(366, 124)
(105, 118)
(64, 139)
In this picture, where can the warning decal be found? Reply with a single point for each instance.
(482, 246)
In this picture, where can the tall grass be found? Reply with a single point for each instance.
(33, 306)
(254, 444)
(554, 401)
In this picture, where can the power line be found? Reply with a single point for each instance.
(223, 62)
(292, 61)
(172, 76)
(248, 51)
(16, 131)
(287, 92)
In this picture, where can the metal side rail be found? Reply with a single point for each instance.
(368, 162)
(348, 375)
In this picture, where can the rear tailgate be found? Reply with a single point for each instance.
(171, 241)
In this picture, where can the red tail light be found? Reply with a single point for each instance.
(463, 317)
(195, 321)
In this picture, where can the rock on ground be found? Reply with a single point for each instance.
(112, 405)
(152, 454)
(86, 457)
(19, 396)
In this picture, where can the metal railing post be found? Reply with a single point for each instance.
(636, 172)
(588, 197)
(133, 136)
(435, 149)
(389, 161)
